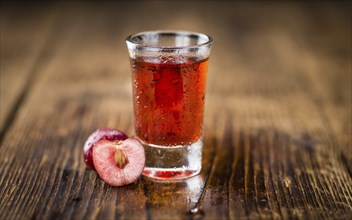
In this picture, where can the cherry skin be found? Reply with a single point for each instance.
(100, 134)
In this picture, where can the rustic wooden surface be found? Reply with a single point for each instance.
(278, 110)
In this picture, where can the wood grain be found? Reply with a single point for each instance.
(277, 122)
(23, 44)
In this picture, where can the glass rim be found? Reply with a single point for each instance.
(208, 39)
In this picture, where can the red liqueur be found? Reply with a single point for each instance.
(169, 97)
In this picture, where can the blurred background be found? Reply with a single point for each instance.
(261, 48)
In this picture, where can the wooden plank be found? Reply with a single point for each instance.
(25, 31)
(277, 123)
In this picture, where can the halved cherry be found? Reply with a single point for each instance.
(100, 134)
(119, 163)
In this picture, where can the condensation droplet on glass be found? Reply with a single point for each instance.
(175, 81)
(156, 77)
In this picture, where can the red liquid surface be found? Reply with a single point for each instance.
(169, 99)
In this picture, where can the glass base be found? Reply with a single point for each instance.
(173, 163)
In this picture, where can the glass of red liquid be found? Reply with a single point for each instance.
(169, 71)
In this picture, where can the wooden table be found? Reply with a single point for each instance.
(277, 122)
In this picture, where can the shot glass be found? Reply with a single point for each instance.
(169, 71)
